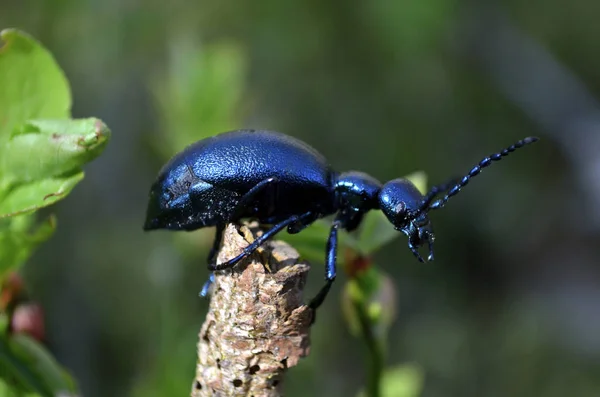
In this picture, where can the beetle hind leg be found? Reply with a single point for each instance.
(206, 287)
(249, 250)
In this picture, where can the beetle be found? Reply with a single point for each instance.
(283, 182)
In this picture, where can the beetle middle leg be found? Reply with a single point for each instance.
(249, 250)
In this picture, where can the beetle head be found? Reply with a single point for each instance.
(400, 201)
(407, 209)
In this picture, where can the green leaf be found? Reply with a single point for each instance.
(33, 85)
(8, 390)
(419, 179)
(401, 381)
(19, 237)
(41, 149)
(31, 366)
(50, 148)
(38, 194)
(374, 232)
(201, 92)
(16, 370)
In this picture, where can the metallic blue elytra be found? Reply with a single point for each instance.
(281, 181)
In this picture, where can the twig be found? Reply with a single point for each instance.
(257, 325)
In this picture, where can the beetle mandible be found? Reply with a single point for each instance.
(283, 182)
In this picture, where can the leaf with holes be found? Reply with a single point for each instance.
(51, 148)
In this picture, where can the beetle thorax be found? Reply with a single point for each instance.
(355, 194)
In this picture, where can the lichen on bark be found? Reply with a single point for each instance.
(257, 325)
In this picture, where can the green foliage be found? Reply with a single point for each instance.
(201, 92)
(33, 86)
(59, 148)
(410, 26)
(28, 367)
(42, 151)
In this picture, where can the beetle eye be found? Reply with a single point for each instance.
(400, 208)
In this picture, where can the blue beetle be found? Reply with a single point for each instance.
(282, 181)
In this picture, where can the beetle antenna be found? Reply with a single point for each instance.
(440, 203)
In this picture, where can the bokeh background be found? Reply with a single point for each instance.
(510, 307)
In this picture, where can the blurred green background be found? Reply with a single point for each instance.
(510, 307)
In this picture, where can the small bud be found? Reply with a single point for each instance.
(356, 264)
(28, 318)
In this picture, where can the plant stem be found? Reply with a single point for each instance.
(374, 347)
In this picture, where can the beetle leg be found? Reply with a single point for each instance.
(330, 267)
(415, 250)
(251, 195)
(211, 257)
(260, 240)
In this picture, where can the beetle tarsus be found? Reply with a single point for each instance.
(205, 292)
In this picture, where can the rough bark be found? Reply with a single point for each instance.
(257, 325)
